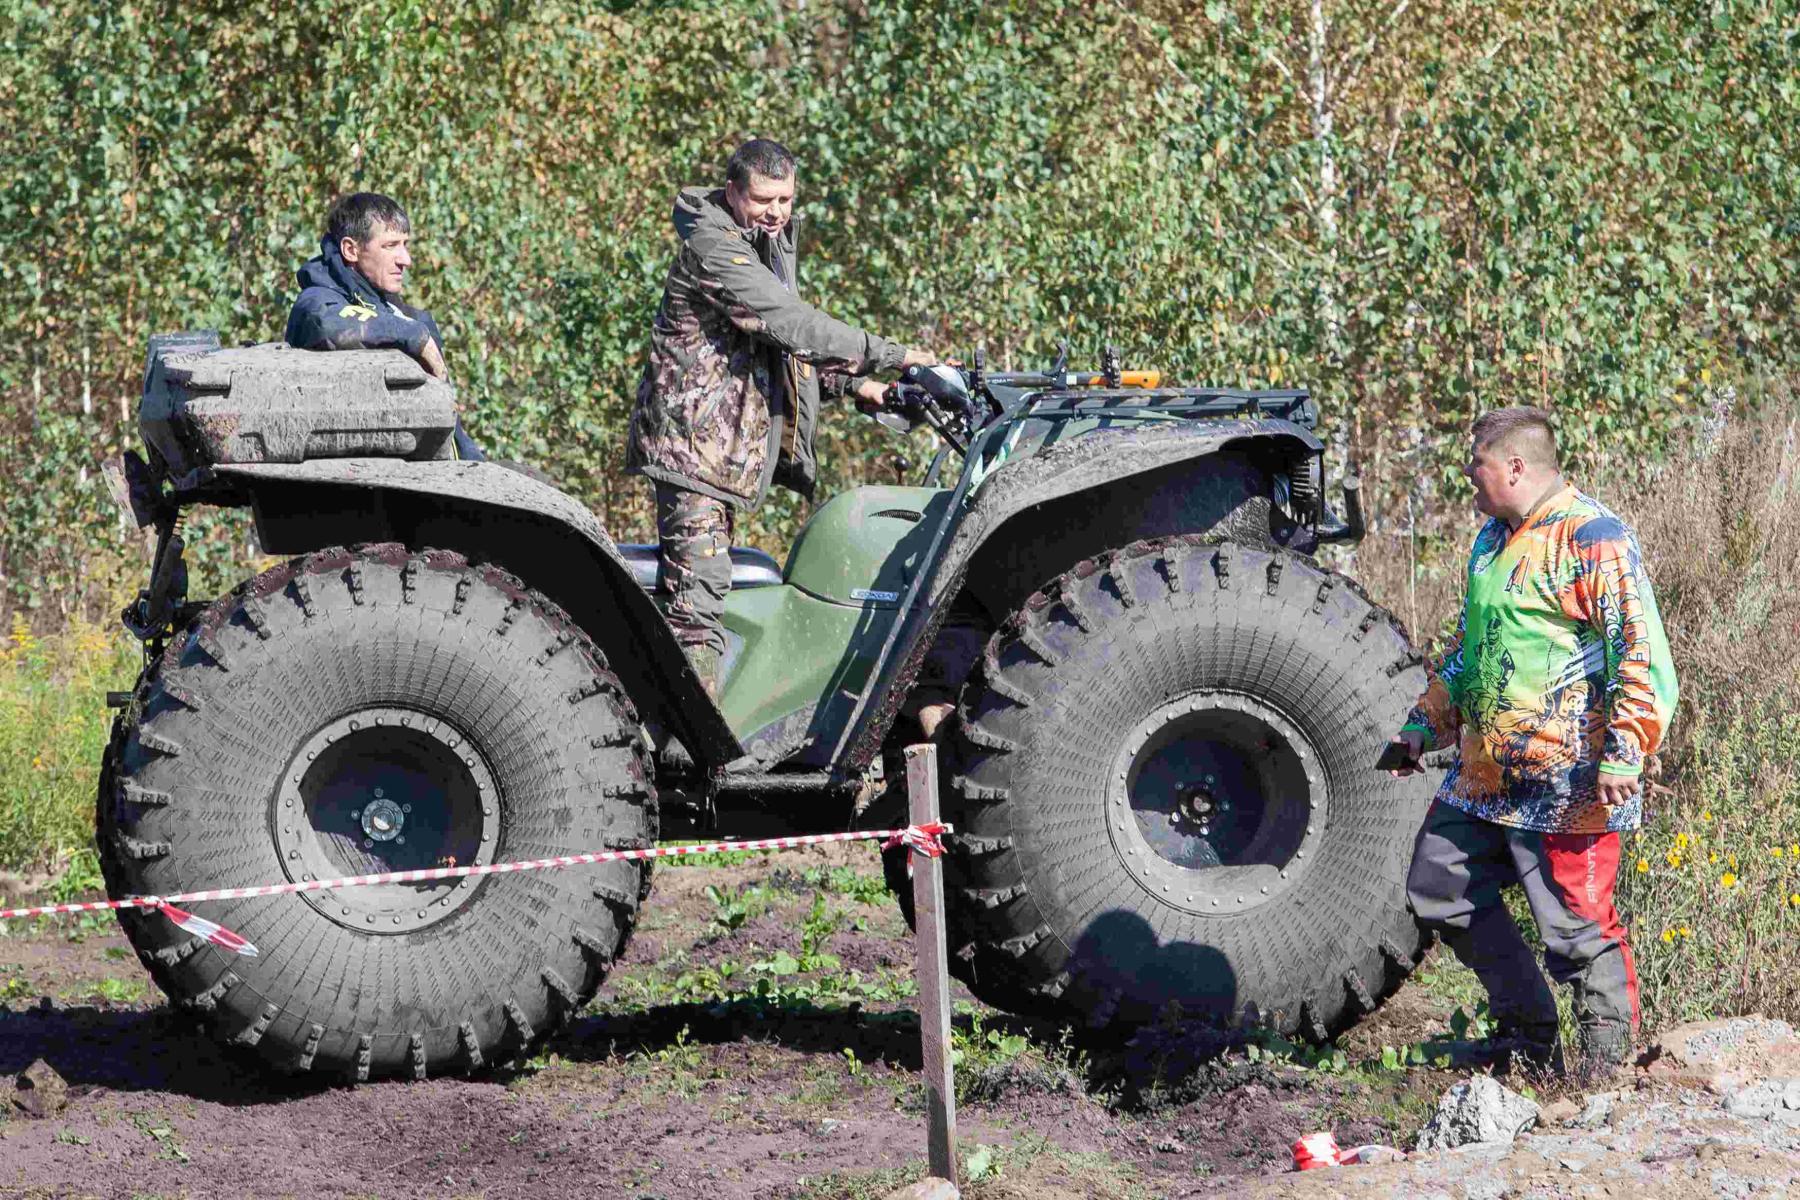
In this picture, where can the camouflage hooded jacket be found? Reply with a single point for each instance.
(730, 393)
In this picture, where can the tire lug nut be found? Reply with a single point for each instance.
(368, 843)
(293, 854)
(406, 808)
(401, 840)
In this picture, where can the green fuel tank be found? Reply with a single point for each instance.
(794, 646)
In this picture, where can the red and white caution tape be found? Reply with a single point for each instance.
(925, 839)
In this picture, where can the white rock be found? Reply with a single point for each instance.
(1477, 1110)
(1598, 1111)
(1758, 1102)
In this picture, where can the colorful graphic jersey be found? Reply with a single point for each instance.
(1559, 672)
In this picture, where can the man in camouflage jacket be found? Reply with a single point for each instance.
(730, 394)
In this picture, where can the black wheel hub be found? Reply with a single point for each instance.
(379, 790)
(1215, 801)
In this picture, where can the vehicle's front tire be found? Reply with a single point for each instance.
(363, 711)
(1166, 800)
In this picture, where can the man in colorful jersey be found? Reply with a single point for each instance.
(1556, 689)
(730, 392)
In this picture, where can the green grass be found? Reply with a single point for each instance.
(710, 858)
(53, 727)
(120, 991)
(861, 886)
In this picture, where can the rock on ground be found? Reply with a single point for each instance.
(930, 1188)
(1725, 1055)
(1477, 1110)
(40, 1091)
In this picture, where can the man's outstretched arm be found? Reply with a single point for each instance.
(734, 280)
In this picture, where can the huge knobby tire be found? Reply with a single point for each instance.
(361, 711)
(1164, 796)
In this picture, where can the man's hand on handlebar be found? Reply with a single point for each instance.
(871, 396)
(916, 357)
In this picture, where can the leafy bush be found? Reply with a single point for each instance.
(53, 727)
(1591, 206)
(1712, 885)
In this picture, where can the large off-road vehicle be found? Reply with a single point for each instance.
(1159, 766)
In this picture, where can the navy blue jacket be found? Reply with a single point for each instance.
(338, 309)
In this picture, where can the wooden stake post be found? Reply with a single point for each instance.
(934, 979)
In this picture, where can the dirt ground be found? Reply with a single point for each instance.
(663, 1088)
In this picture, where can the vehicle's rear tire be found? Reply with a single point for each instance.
(1166, 798)
(360, 711)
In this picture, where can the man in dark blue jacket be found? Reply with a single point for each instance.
(350, 294)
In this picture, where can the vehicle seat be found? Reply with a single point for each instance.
(749, 567)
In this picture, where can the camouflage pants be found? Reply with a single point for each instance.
(693, 574)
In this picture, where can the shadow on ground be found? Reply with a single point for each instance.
(133, 1050)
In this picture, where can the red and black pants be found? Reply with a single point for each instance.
(1461, 863)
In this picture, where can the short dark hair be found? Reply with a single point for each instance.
(358, 215)
(759, 156)
(1523, 430)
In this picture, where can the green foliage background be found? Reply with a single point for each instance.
(1418, 209)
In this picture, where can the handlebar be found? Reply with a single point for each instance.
(957, 401)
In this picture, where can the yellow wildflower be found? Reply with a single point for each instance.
(1643, 866)
(1794, 849)
(1674, 859)
(1731, 859)
(1776, 852)
(1706, 814)
(1686, 932)
(1728, 880)
(1712, 858)
(1668, 936)
(1795, 899)
(21, 640)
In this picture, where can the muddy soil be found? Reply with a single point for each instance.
(663, 1088)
